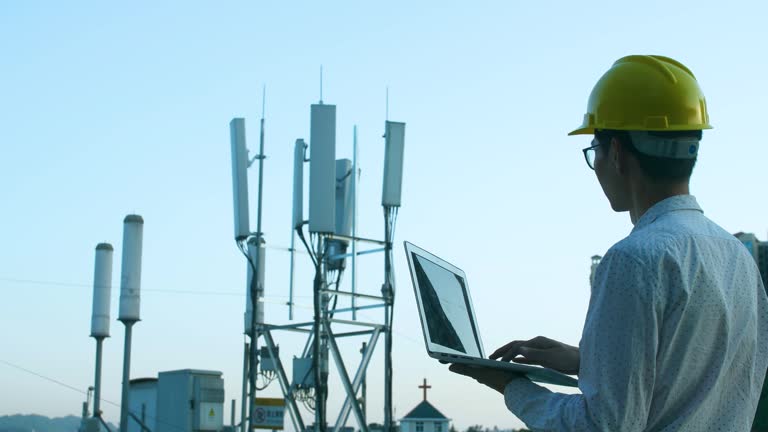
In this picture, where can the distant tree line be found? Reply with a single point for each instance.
(480, 428)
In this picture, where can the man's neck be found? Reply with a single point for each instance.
(646, 194)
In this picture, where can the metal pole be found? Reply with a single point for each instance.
(365, 387)
(252, 366)
(261, 178)
(254, 361)
(324, 338)
(290, 283)
(320, 341)
(316, 347)
(354, 221)
(388, 293)
(388, 372)
(97, 378)
(232, 416)
(125, 402)
(244, 398)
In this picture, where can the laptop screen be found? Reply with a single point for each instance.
(446, 308)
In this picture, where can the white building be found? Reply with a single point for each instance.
(425, 417)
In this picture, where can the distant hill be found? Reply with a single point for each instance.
(38, 423)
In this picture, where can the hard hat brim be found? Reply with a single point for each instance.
(589, 130)
(583, 131)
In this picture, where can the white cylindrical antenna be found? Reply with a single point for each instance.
(394, 142)
(130, 300)
(257, 256)
(322, 169)
(299, 151)
(102, 291)
(239, 177)
(130, 278)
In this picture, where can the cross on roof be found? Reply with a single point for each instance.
(425, 387)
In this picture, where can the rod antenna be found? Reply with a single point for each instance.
(386, 105)
(263, 100)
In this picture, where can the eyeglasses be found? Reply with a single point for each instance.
(589, 153)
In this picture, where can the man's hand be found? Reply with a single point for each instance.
(493, 378)
(541, 351)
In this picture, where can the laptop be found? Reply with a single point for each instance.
(451, 333)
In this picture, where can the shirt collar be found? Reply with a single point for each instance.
(674, 203)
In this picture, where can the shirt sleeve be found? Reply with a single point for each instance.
(617, 358)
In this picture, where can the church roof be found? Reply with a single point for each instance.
(425, 410)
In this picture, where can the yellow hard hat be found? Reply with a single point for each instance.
(646, 93)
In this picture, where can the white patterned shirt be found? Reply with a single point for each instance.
(675, 337)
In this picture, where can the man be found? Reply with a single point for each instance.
(676, 334)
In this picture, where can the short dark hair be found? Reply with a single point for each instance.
(659, 169)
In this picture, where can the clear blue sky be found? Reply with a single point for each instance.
(107, 110)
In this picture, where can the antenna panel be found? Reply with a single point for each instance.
(394, 144)
(322, 169)
(344, 178)
(239, 177)
(298, 183)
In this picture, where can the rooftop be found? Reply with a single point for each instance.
(424, 410)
